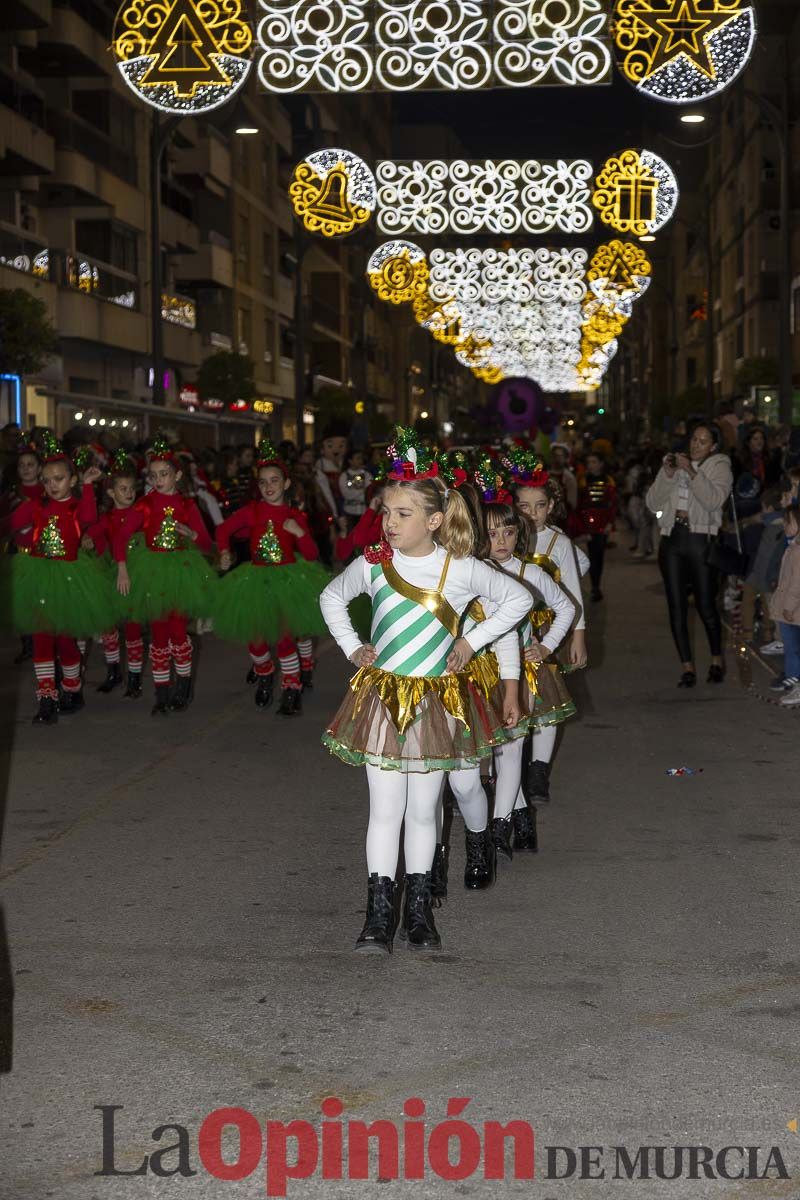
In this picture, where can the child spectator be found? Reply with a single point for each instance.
(785, 608)
(353, 484)
(763, 576)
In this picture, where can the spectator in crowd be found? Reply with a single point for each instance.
(687, 497)
(354, 481)
(330, 521)
(640, 475)
(595, 514)
(785, 608)
(561, 474)
(757, 459)
(763, 575)
(247, 457)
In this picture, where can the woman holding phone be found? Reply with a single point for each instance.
(687, 497)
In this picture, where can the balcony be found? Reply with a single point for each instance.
(82, 317)
(209, 160)
(325, 316)
(25, 146)
(85, 156)
(25, 14)
(69, 47)
(211, 265)
(24, 255)
(179, 232)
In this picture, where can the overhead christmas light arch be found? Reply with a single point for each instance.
(183, 56)
(681, 51)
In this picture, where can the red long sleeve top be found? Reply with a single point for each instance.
(65, 520)
(11, 501)
(148, 514)
(368, 531)
(255, 519)
(597, 503)
(112, 526)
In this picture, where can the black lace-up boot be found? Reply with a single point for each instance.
(439, 875)
(376, 936)
(537, 783)
(113, 678)
(501, 829)
(479, 869)
(419, 928)
(525, 836)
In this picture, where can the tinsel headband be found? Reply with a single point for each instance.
(267, 456)
(161, 451)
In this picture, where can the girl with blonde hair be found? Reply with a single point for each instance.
(417, 706)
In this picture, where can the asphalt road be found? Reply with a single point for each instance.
(181, 896)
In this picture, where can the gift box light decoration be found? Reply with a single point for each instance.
(382, 45)
(681, 51)
(183, 56)
(501, 197)
(636, 192)
(333, 192)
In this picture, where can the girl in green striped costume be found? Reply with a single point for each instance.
(417, 706)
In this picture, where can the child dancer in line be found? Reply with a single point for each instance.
(503, 658)
(117, 524)
(411, 711)
(555, 554)
(508, 535)
(165, 581)
(26, 485)
(55, 593)
(275, 597)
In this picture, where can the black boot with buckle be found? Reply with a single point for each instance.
(376, 936)
(525, 836)
(71, 701)
(47, 713)
(419, 928)
(290, 705)
(134, 689)
(480, 865)
(264, 691)
(182, 693)
(161, 706)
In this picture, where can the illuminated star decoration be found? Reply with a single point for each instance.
(683, 50)
(183, 56)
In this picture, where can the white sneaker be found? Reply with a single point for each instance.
(771, 648)
(792, 698)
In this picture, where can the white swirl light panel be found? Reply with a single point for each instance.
(492, 276)
(486, 196)
(452, 45)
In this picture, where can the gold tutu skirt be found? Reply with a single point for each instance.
(544, 694)
(419, 723)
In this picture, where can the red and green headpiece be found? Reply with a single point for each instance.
(161, 451)
(267, 456)
(408, 458)
(492, 481)
(123, 464)
(453, 468)
(52, 450)
(525, 467)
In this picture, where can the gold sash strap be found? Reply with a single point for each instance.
(532, 676)
(476, 612)
(403, 694)
(428, 598)
(545, 561)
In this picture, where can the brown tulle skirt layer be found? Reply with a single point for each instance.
(367, 730)
(544, 695)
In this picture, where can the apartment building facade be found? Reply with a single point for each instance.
(76, 230)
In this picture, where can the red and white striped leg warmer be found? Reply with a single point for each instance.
(261, 659)
(134, 646)
(45, 679)
(71, 676)
(290, 670)
(306, 649)
(159, 664)
(111, 646)
(182, 657)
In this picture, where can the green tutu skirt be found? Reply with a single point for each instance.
(166, 581)
(54, 595)
(262, 604)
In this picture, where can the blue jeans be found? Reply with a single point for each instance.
(790, 636)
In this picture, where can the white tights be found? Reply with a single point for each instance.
(469, 792)
(508, 768)
(394, 796)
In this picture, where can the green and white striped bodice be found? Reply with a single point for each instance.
(409, 639)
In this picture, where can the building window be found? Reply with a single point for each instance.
(287, 342)
(269, 348)
(243, 329)
(691, 371)
(243, 247)
(268, 259)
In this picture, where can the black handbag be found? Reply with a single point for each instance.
(722, 556)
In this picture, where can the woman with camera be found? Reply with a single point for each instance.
(688, 496)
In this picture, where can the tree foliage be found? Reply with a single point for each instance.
(27, 337)
(757, 372)
(227, 376)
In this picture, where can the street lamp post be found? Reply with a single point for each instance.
(160, 129)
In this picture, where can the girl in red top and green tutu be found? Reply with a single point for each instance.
(273, 599)
(165, 580)
(56, 594)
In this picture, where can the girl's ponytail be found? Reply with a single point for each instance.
(457, 533)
